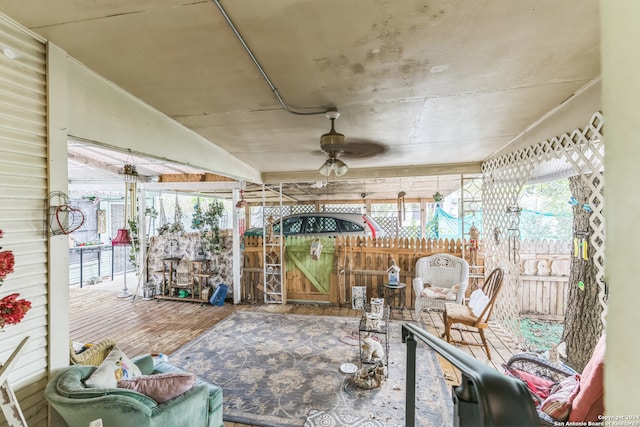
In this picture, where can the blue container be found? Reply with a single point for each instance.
(219, 295)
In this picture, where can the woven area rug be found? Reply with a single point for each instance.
(280, 370)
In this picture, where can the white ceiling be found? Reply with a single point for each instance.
(438, 83)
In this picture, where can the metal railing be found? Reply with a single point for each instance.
(485, 397)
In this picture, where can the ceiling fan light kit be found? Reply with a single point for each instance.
(337, 166)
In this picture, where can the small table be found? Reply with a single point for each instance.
(391, 290)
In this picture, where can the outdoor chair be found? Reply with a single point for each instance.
(474, 316)
(560, 394)
(447, 277)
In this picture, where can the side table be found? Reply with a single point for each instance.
(391, 291)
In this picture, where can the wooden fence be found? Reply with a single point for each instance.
(544, 275)
(357, 262)
(544, 270)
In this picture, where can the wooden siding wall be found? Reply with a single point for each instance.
(23, 189)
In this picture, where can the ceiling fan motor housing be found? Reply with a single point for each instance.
(332, 141)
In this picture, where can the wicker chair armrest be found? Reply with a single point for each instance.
(540, 367)
(94, 355)
(418, 285)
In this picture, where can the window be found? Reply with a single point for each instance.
(321, 224)
(289, 226)
(350, 226)
(329, 225)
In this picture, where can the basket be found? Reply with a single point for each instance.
(370, 377)
(94, 355)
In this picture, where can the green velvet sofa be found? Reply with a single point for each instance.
(78, 405)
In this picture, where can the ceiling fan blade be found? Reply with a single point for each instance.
(361, 149)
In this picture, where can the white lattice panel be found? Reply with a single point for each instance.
(583, 152)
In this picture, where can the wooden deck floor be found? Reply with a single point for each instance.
(162, 326)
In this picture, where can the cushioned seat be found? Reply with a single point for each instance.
(462, 313)
(78, 404)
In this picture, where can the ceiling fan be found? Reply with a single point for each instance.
(334, 145)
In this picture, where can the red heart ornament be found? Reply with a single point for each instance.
(69, 218)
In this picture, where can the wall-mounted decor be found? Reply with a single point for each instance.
(101, 220)
(60, 216)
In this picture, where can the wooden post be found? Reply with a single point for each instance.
(8, 401)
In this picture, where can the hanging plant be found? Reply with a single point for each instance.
(12, 309)
(207, 222)
(175, 226)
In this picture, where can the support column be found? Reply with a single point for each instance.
(236, 254)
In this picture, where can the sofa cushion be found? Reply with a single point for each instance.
(144, 363)
(436, 292)
(161, 387)
(115, 367)
(589, 403)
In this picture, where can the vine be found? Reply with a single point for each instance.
(207, 222)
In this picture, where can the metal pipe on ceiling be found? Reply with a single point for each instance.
(261, 70)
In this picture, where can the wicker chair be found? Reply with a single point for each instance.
(442, 271)
(541, 376)
(93, 355)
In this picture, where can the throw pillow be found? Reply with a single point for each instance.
(435, 292)
(115, 367)
(478, 301)
(161, 387)
(558, 404)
